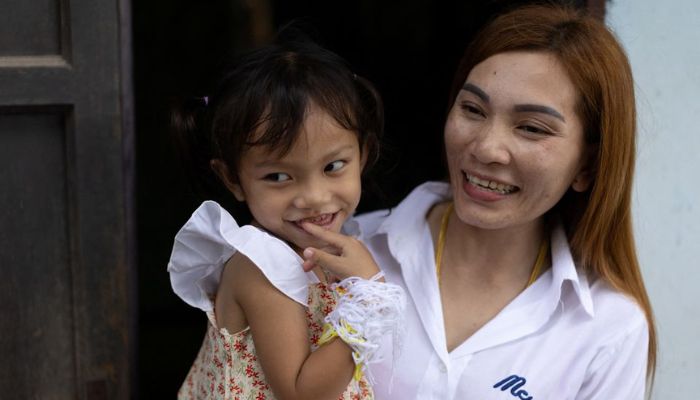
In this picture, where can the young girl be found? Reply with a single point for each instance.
(291, 130)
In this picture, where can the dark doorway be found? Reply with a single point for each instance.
(408, 50)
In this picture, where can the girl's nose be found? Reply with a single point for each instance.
(312, 196)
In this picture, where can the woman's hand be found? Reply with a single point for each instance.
(351, 257)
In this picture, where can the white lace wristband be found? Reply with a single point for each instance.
(366, 311)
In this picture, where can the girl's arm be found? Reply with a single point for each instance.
(278, 326)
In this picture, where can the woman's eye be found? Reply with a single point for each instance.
(471, 109)
(335, 166)
(533, 129)
(277, 177)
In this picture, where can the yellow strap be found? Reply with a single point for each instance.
(441, 239)
(539, 262)
(536, 269)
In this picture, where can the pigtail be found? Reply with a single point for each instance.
(372, 119)
(190, 133)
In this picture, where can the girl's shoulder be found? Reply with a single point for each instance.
(210, 238)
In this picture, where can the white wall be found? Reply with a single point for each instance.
(663, 42)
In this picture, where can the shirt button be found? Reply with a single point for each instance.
(443, 368)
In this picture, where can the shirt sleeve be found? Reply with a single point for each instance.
(618, 371)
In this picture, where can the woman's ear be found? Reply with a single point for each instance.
(221, 170)
(584, 178)
(582, 181)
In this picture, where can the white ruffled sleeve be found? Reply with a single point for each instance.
(210, 237)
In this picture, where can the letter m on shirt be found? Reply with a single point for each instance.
(514, 382)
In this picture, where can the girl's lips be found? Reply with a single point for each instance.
(323, 220)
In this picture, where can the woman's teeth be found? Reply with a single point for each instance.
(491, 185)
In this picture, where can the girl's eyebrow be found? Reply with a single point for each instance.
(280, 162)
(339, 150)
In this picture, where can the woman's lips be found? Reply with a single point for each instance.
(490, 185)
(486, 190)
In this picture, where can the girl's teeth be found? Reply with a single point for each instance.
(319, 220)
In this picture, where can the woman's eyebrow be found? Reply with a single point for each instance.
(470, 87)
(539, 109)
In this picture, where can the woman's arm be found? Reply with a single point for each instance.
(619, 369)
(278, 326)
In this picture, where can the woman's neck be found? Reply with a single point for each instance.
(489, 255)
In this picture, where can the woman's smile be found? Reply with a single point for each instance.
(490, 185)
(509, 168)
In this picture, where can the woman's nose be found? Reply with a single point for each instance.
(492, 144)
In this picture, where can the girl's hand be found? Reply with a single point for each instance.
(351, 259)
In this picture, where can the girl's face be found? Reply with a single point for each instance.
(514, 141)
(317, 181)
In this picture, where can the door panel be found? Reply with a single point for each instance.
(65, 178)
(38, 335)
(33, 28)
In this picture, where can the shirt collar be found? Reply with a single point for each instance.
(406, 221)
(564, 269)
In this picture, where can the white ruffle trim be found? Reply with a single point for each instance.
(366, 312)
(210, 237)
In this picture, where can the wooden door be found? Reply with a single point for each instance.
(65, 200)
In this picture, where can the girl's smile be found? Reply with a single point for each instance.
(316, 181)
(323, 220)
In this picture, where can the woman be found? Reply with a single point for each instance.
(522, 270)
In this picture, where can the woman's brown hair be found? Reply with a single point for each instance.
(598, 221)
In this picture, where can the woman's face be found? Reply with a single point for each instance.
(514, 141)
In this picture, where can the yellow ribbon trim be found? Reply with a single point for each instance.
(329, 333)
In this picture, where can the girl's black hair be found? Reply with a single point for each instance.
(263, 99)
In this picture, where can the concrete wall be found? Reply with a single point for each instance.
(663, 43)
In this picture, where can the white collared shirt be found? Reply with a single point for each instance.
(562, 338)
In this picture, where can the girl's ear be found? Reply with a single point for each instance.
(583, 180)
(363, 158)
(232, 184)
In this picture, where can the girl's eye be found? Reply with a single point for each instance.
(277, 177)
(335, 166)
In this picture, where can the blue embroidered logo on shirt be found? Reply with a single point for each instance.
(514, 383)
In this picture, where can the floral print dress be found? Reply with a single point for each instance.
(228, 368)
